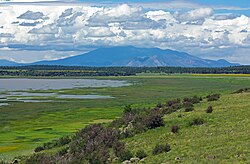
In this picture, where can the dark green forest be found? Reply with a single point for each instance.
(45, 70)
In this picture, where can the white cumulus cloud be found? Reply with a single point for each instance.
(67, 28)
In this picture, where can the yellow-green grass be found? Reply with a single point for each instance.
(23, 126)
(220, 75)
(224, 138)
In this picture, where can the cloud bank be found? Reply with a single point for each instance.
(65, 28)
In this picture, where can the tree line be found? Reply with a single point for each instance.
(46, 70)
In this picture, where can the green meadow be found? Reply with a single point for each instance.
(24, 126)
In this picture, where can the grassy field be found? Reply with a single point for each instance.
(23, 126)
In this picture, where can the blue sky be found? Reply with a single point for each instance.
(239, 3)
(32, 30)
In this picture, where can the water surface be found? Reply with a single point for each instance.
(4, 104)
(14, 84)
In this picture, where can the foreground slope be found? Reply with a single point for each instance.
(223, 138)
(136, 57)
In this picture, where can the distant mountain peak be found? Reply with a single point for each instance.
(136, 57)
(4, 62)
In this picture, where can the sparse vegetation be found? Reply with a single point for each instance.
(197, 121)
(161, 148)
(39, 148)
(55, 143)
(189, 109)
(192, 100)
(141, 154)
(213, 97)
(126, 155)
(242, 90)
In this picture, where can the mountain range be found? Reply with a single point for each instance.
(131, 56)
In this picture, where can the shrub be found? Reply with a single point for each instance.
(171, 102)
(119, 148)
(125, 155)
(141, 154)
(94, 143)
(127, 109)
(213, 97)
(100, 156)
(39, 148)
(188, 104)
(209, 109)
(40, 158)
(175, 128)
(3, 162)
(180, 115)
(49, 145)
(189, 109)
(57, 143)
(193, 100)
(154, 120)
(159, 105)
(160, 148)
(138, 120)
(242, 90)
(63, 151)
(174, 104)
(63, 141)
(197, 121)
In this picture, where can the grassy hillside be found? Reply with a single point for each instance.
(223, 138)
(24, 126)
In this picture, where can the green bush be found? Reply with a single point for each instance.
(209, 109)
(193, 100)
(160, 148)
(213, 97)
(39, 148)
(174, 104)
(197, 121)
(159, 105)
(141, 154)
(56, 143)
(189, 109)
(125, 155)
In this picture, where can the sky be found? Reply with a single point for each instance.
(34, 30)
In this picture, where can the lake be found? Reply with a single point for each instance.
(10, 86)
(14, 84)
